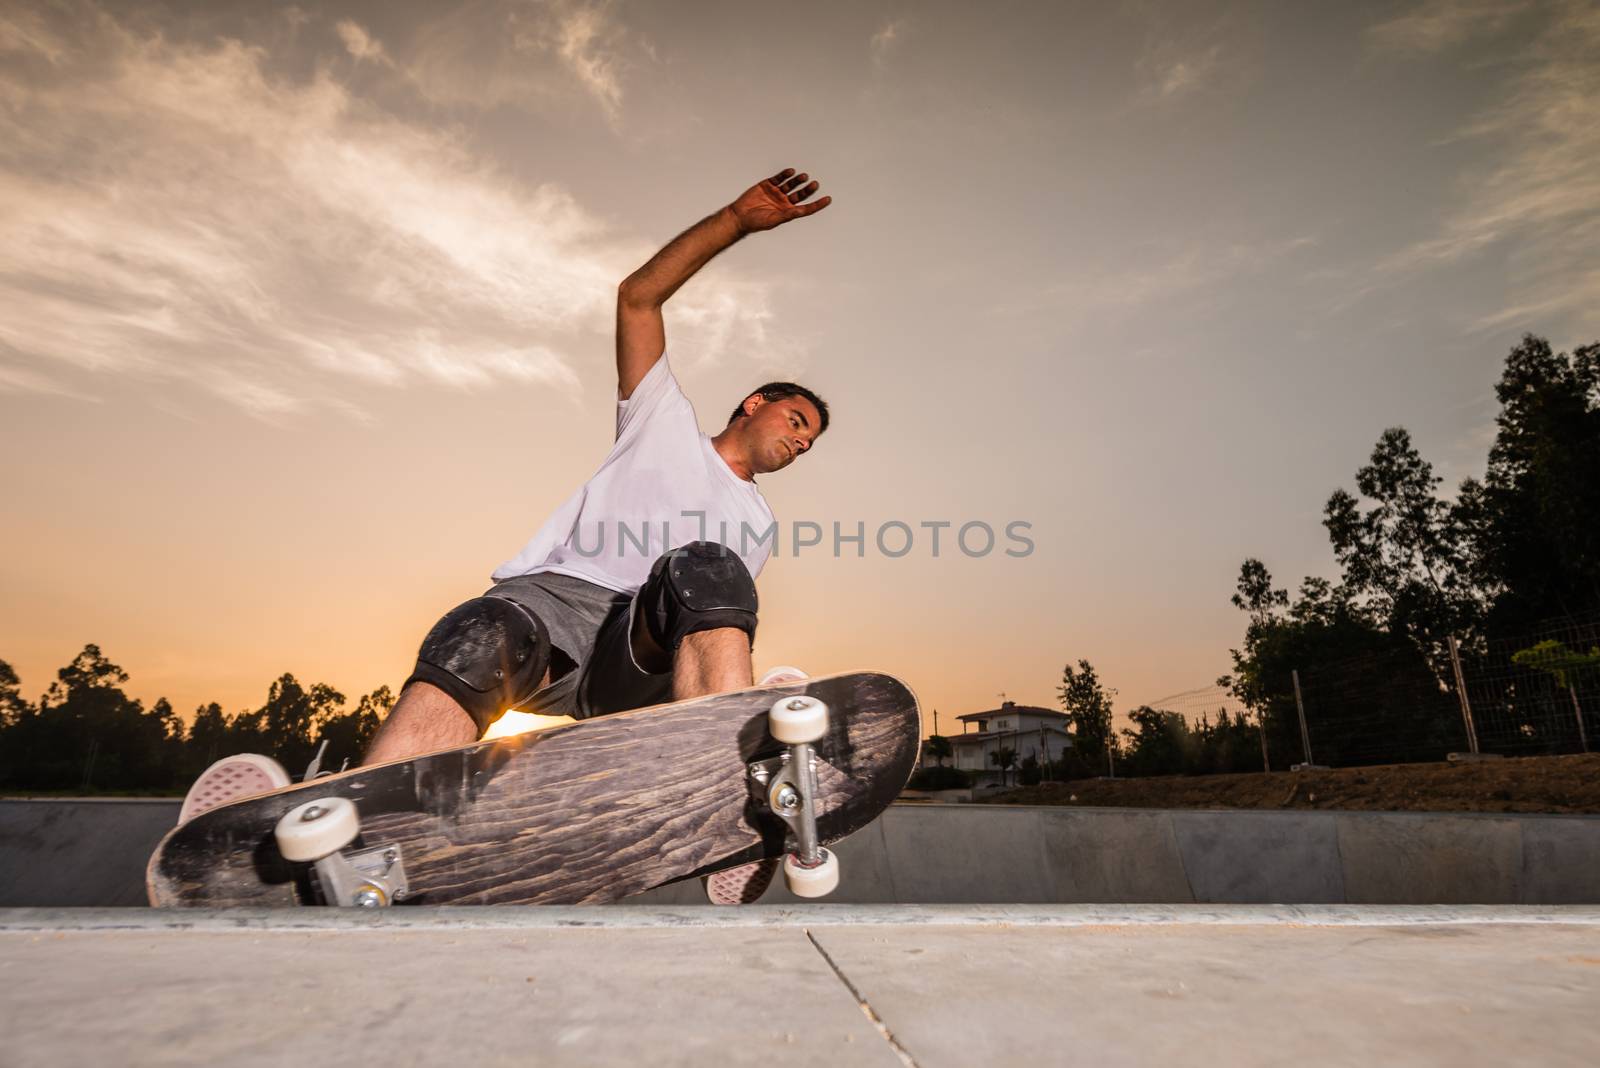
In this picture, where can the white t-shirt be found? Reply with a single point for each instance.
(644, 500)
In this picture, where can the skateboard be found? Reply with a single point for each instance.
(583, 813)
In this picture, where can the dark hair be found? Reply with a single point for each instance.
(778, 391)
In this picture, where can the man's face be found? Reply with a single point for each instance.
(777, 432)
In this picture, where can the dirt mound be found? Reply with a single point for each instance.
(1560, 784)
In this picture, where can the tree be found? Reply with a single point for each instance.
(12, 704)
(1534, 520)
(1569, 667)
(208, 740)
(1407, 555)
(347, 735)
(1338, 647)
(88, 732)
(1159, 743)
(1029, 772)
(89, 671)
(1231, 744)
(1088, 708)
(1004, 759)
(1518, 547)
(288, 721)
(17, 726)
(939, 748)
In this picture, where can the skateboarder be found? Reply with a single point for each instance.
(640, 589)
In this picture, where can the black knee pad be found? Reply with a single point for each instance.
(489, 654)
(698, 586)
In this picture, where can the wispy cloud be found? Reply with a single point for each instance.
(172, 212)
(1440, 24)
(1538, 204)
(1182, 60)
(583, 38)
(1174, 76)
(522, 53)
(886, 38)
(1194, 270)
(360, 44)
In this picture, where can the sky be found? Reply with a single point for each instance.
(306, 311)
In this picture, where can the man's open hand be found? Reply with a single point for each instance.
(775, 201)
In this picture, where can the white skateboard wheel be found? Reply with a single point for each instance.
(819, 881)
(318, 828)
(798, 719)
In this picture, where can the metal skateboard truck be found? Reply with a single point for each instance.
(318, 830)
(788, 784)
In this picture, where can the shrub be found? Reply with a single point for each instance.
(940, 778)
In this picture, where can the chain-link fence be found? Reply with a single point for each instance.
(1532, 693)
(1383, 708)
(1537, 692)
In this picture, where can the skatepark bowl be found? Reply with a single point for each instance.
(961, 935)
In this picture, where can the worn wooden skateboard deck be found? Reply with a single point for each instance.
(585, 813)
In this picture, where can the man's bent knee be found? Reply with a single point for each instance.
(487, 655)
(697, 587)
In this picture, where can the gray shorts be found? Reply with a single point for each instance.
(591, 627)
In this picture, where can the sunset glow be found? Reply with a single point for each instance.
(308, 310)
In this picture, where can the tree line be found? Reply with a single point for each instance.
(86, 734)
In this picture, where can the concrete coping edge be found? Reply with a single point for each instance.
(535, 917)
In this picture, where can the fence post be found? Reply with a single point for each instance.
(88, 767)
(1305, 735)
(1461, 692)
(1577, 710)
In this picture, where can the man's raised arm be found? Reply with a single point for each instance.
(641, 335)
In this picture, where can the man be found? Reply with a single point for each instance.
(595, 615)
(641, 587)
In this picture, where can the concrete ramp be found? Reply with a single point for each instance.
(74, 852)
(79, 851)
(996, 854)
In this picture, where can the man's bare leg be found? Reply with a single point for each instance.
(708, 661)
(712, 661)
(424, 720)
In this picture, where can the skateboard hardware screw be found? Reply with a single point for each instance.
(788, 798)
(390, 856)
(368, 898)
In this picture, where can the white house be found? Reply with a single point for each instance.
(1027, 731)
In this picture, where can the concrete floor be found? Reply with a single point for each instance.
(930, 986)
